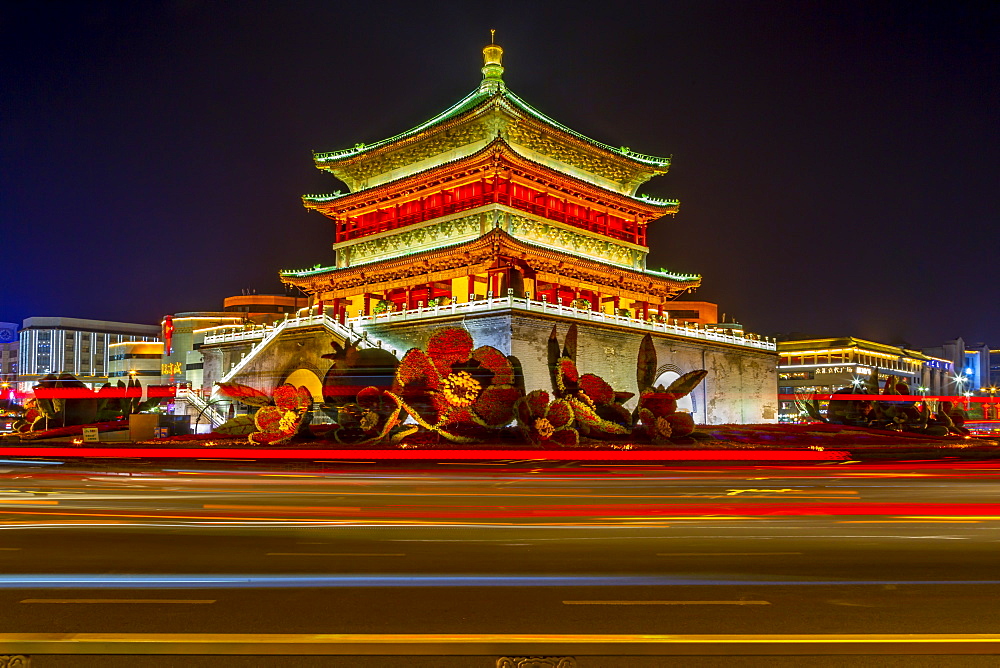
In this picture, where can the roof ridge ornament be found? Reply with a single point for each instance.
(492, 67)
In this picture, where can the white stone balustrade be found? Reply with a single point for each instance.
(532, 306)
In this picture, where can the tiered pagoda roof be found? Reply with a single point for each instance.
(443, 263)
(491, 175)
(490, 111)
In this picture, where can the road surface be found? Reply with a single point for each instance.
(617, 566)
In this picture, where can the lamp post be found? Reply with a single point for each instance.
(960, 381)
(992, 389)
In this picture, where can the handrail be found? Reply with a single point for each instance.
(511, 302)
(252, 352)
(205, 408)
(309, 320)
(628, 234)
(238, 335)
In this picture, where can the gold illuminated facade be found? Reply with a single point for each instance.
(491, 198)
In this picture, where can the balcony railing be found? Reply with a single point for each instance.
(628, 234)
(533, 306)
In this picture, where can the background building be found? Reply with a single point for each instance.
(8, 362)
(971, 365)
(73, 345)
(181, 366)
(183, 334)
(139, 360)
(8, 352)
(264, 309)
(823, 366)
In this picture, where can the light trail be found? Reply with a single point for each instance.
(102, 601)
(491, 644)
(229, 581)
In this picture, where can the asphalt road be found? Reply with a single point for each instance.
(837, 562)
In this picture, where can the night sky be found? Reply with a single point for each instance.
(836, 162)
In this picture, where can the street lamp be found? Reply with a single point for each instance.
(992, 389)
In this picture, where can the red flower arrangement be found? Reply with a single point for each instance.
(657, 409)
(597, 408)
(278, 416)
(250, 396)
(280, 422)
(456, 390)
(31, 416)
(370, 420)
(549, 425)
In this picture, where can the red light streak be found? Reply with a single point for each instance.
(745, 455)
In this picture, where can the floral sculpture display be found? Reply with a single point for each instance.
(460, 393)
(657, 410)
(887, 414)
(454, 392)
(357, 396)
(65, 401)
(279, 417)
(30, 418)
(587, 410)
(545, 423)
(597, 409)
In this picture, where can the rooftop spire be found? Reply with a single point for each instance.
(492, 69)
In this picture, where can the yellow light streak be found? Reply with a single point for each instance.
(119, 600)
(437, 644)
(35, 502)
(346, 509)
(952, 517)
(907, 522)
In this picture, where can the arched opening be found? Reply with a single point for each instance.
(669, 375)
(309, 380)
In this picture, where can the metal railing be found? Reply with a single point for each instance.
(629, 231)
(266, 336)
(532, 306)
(205, 408)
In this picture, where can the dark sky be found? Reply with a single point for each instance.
(836, 162)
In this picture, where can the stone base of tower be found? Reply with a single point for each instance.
(741, 386)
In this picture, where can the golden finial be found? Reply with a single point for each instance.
(492, 67)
